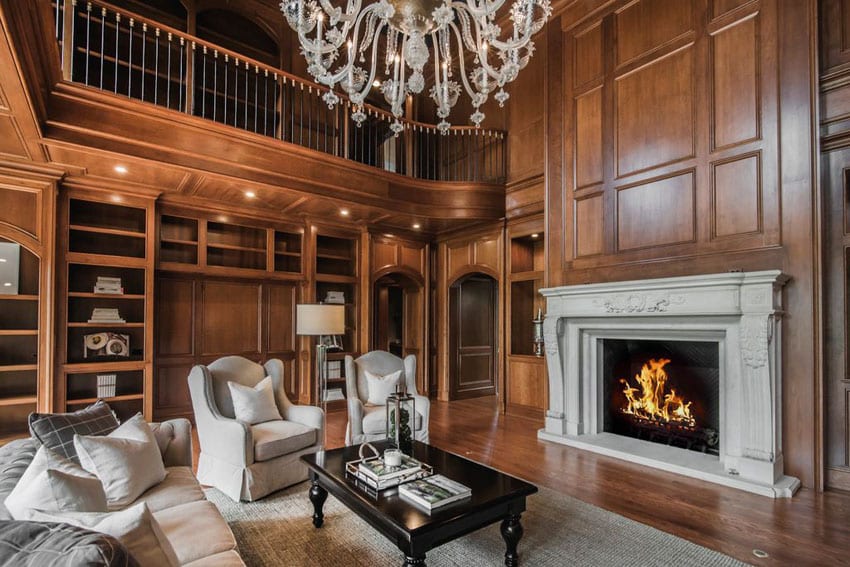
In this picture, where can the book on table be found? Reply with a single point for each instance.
(434, 492)
(377, 470)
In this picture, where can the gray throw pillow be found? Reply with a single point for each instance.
(56, 430)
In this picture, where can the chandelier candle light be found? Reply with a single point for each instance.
(336, 42)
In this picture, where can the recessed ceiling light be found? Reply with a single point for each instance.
(7, 284)
(250, 194)
(120, 169)
(2, 260)
(535, 235)
(376, 83)
(116, 198)
(222, 218)
(388, 235)
(344, 212)
(417, 226)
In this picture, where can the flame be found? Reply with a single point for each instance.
(650, 400)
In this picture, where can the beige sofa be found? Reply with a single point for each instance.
(193, 525)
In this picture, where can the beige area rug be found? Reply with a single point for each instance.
(559, 530)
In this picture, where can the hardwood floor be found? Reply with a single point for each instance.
(809, 529)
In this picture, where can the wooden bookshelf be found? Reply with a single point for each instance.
(111, 239)
(19, 339)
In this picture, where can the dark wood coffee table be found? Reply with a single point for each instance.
(495, 496)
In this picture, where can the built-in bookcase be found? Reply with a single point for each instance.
(108, 237)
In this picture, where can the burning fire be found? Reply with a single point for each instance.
(650, 401)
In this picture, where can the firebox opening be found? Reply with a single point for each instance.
(665, 391)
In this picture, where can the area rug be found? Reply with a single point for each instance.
(559, 531)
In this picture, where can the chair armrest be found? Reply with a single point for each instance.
(174, 437)
(423, 406)
(355, 415)
(311, 416)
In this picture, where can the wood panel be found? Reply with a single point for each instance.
(646, 25)
(230, 318)
(528, 387)
(589, 236)
(175, 317)
(656, 213)
(488, 251)
(655, 113)
(736, 82)
(737, 196)
(588, 138)
(21, 209)
(588, 64)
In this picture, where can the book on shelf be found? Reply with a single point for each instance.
(106, 385)
(334, 369)
(108, 286)
(334, 394)
(105, 315)
(433, 492)
(335, 297)
(377, 470)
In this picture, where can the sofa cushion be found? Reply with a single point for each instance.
(225, 559)
(52, 483)
(375, 420)
(15, 457)
(179, 487)
(127, 461)
(277, 438)
(56, 430)
(135, 527)
(196, 530)
(59, 545)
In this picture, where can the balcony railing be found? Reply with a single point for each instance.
(128, 55)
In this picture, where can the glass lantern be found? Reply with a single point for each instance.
(401, 416)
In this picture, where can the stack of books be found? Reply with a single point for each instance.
(105, 316)
(334, 369)
(106, 385)
(109, 286)
(334, 394)
(380, 476)
(433, 492)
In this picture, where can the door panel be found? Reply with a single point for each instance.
(473, 338)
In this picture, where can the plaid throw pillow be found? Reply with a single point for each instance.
(56, 430)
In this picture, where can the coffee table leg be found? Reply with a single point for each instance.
(511, 533)
(318, 495)
(414, 561)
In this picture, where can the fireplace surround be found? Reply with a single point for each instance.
(739, 312)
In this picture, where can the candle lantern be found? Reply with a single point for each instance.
(401, 416)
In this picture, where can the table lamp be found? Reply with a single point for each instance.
(320, 319)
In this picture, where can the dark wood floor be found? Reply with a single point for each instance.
(809, 529)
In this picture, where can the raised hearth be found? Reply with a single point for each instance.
(717, 413)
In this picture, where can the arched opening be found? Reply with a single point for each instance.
(473, 336)
(398, 311)
(237, 33)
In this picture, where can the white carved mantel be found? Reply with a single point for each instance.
(740, 311)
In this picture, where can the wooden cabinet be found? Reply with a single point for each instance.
(525, 375)
(106, 263)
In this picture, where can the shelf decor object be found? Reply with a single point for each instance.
(316, 320)
(401, 413)
(401, 36)
(538, 333)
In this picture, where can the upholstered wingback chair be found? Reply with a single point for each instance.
(367, 422)
(244, 461)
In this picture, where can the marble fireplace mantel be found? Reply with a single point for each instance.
(740, 311)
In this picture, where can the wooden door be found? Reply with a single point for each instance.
(472, 337)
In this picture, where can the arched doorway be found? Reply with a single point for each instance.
(473, 336)
(398, 312)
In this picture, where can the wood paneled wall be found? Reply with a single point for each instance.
(666, 157)
(834, 23)
(200, 319)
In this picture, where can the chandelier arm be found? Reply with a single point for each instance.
(343, 71)
(368, 84)
(478, 48)
(469, 90)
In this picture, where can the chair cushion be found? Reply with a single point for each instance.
(277, 438)
(381, 387)
(196, 530)
(56, 430)
(375, 420)
(179, 487)
(254, 405)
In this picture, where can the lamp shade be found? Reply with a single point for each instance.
(319, 319)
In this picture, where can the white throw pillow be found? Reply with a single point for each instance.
(380, 387)
(135, 527)
(55, 484)
(254, 405)
(127, 461)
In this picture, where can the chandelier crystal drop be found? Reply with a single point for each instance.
(400, 41)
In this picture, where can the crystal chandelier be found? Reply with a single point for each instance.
(336, 44)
